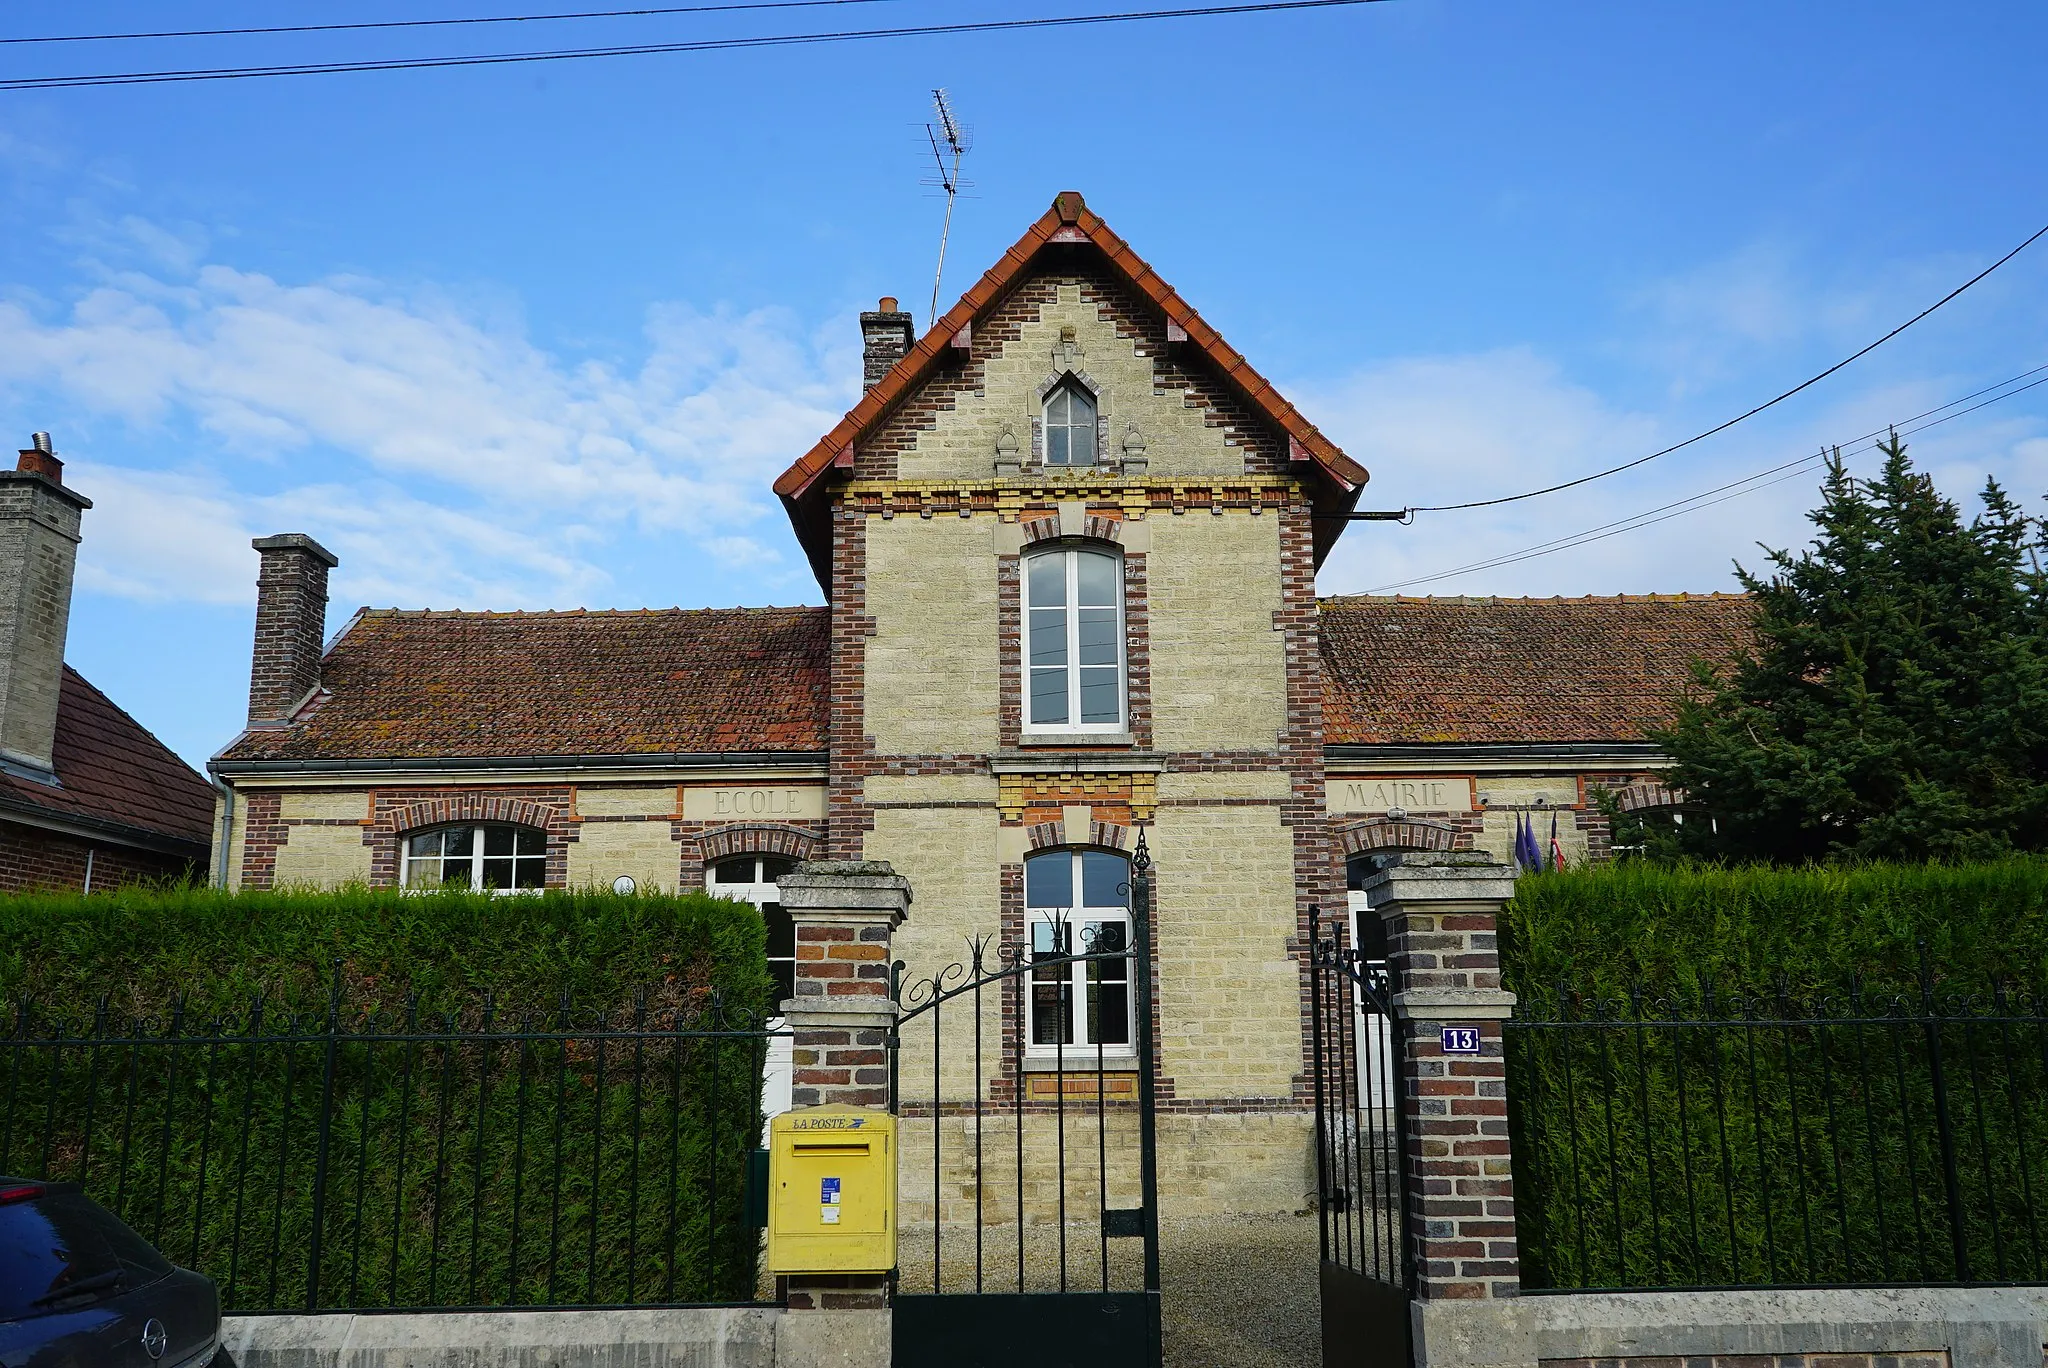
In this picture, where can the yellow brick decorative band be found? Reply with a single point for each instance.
(1013, 791)
(1010, 499)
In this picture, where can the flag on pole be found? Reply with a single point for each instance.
(1556, 847)
(1528, 857)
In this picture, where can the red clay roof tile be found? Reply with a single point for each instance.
(110, 769)
(1448, 670)
(411, 685)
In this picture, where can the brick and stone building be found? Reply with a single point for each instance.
(88, 798)
(1068, 540)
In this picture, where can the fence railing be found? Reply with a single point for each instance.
(412, 1160)
(1743, 1141)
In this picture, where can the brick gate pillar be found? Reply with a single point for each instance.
(846, 912)
(1440, 912)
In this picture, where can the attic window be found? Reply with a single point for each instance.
(1070, 426)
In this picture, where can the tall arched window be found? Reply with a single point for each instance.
(1070, 426)
(486, 857)
(1074, 630)
(1078, 902)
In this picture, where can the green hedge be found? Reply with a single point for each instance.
(1728, 1076)
(1679, 928)
(462, 1155)
(143, 948)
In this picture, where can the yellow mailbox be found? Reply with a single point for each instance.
(832, 1191)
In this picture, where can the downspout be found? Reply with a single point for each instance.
(223, 831)
(88, 869)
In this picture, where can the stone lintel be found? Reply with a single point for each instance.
(1454, 1004)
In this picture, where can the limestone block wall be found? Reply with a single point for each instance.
(1025, 345)
(932, 663)
(626, 831)
(1229, 990)
(1218, 663)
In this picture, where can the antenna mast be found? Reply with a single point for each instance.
(945, 138)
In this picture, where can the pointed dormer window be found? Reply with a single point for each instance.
(1070, 425)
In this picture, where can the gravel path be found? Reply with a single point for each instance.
(1240, 1292)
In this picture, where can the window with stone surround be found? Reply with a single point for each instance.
(1070, 425)
(1078, 903)
(486, 858)
(1074, 642)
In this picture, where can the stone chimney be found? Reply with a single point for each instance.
(291, 625)
(38, 556)
(886, 338)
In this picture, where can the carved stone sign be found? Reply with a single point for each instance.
(1431, 793)
(751, 803)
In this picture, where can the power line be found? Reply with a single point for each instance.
(643, 49)
(1748, 484)
(435, 23)
(1740, 417)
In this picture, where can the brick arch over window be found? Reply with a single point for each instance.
(1648, 796)
(1045, 527)
(476, 807)
(1106, 835)
(1408, 834)
(796, 843)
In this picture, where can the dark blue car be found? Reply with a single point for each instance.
(80, 1290)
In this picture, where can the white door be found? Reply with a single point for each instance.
(1369, 1029)
(751, 879)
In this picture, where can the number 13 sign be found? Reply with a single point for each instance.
(1461, 1040)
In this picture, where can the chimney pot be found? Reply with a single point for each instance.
(41, 442)
(888, 304)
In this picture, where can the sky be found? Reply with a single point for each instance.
(540, 335)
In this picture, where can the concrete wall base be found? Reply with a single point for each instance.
(1978, 1327)
(732, 1337)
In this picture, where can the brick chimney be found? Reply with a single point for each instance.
(291, 625)
(38, 556)
(886, 338)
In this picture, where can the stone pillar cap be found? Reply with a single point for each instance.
(1439, 876)
(861, 889)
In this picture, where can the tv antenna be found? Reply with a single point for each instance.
(947, 138)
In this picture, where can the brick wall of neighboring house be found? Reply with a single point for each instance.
(32, 858)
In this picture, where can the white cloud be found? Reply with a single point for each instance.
(365, 414)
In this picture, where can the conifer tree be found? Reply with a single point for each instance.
(1895, 703)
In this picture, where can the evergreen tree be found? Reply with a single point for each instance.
(1895, 704)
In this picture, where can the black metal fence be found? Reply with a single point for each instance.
(408, 1161)
(1745, 1141)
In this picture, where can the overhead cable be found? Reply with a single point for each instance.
(434, 23)
(1748, 484)
(1751, 413)
(647, 49)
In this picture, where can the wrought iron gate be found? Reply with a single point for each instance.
(1028, 1166)
(1367, 1272)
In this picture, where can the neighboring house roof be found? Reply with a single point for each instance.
(1069, 220)
(414, 685)
(1417, 671)
(113, 775)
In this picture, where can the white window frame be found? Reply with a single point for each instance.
(1074, 389)
(476, 858)
(1071, 611)
(1041, 931)
(778, 1076)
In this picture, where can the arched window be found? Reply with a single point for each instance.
(1078, 903)
(1074, 630)
(486, 857)
(1070, 426)
(751, 878)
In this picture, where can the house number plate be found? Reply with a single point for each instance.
(1461, 1040)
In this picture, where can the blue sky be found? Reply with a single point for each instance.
(540, 335)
